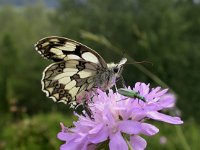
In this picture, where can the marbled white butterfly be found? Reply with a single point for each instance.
(77, 69)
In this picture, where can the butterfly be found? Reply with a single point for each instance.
(77, 70)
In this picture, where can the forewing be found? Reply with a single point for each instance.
(60, 48)
(69, 80)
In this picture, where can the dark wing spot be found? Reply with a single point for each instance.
(75, 77)
(81, 65)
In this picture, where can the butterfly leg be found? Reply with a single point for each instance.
(123, 82)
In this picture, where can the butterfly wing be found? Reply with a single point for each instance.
(74, 71)
(66, 81)
(60, 48)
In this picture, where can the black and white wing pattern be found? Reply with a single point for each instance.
(77, 69)
(60, 48)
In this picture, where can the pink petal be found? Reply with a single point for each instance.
(130, 127)
(167, 101)
(74, 145)
(153, 107)
(144, 89)
(63, 147)
(108, 116)
(99, 137)
(84, 146)
(137, 142)
(117, 142)
(154, 91)
(137, 86)
(96, 129)
(70, 145)
(165, 118)
(160, 93)
(63, 136)
(149, 129)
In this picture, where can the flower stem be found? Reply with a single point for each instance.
(129, 145)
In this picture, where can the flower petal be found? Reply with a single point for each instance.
(76, 145)
(117, 142)
(108, 116)
(138, 143)
(165, 118)
(99, 137)
(63, 136)
(160, 93)
(130, 127)
(167, 101)
(96, 129)
(71, 145)
(149, 129)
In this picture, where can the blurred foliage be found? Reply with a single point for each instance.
(171, 137)
(35, 133)
(21, 67)
(165, 33)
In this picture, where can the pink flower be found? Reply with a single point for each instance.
(118, 120)
(156, 100)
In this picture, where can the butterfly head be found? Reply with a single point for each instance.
(117, 68)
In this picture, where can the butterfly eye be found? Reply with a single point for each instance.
(116, 70)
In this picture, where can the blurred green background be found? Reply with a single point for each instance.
(166, 33)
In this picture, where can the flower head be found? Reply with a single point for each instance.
(119, 120)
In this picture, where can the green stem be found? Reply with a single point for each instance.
(129, 145)
(182, 138)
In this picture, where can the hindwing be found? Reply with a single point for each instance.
(67, 80)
